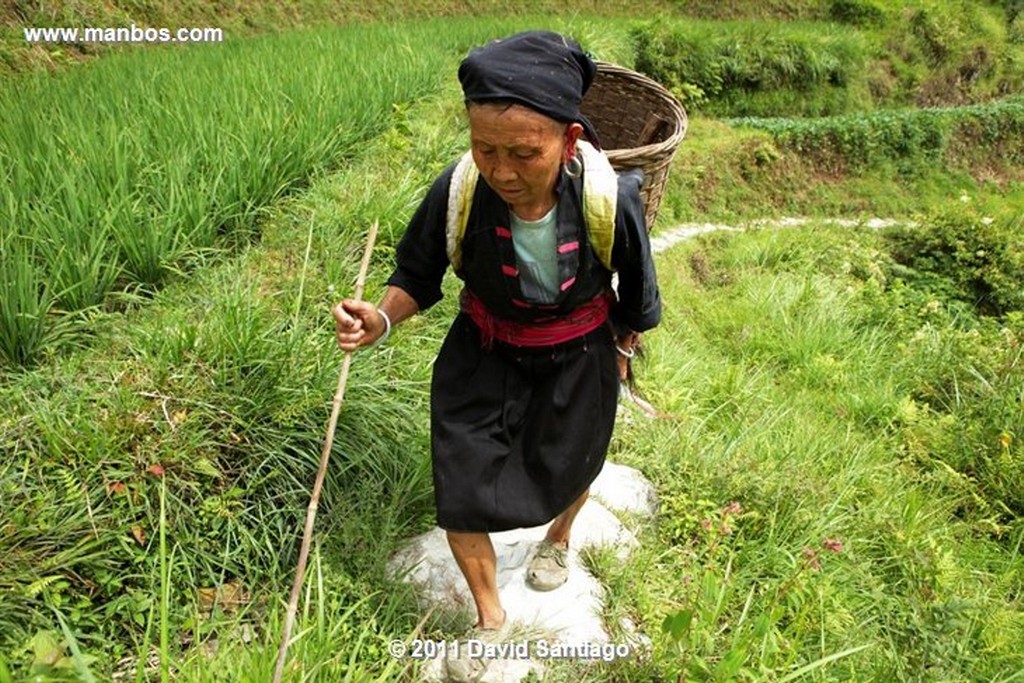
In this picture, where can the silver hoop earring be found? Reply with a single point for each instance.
(574, 167)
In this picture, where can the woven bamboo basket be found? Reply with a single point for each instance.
(640, 125)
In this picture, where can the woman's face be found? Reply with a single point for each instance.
(519, 153)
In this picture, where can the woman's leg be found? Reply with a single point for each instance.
(558, 532)
(549, 567)
(475, 556)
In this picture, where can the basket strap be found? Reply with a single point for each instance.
(600, 197)
(460, 201)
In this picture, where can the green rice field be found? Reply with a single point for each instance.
(119, 175)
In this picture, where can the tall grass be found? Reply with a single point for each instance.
(747, 67)
(25, 301)
(223, 383)
(804, 532)
(221, 387)
(119, 171)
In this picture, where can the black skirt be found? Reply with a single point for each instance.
(518, 434)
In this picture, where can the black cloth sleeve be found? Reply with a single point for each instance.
(639, 305)
(421, 256)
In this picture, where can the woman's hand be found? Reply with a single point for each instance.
(357, 324)
(625, 346)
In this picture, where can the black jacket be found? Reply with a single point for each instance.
(422, 257)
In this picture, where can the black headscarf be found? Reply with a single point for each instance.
(542, 70)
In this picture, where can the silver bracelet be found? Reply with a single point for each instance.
(624, 352)
(387, 329)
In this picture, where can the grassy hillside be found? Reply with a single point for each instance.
(839, 474)
(136, 205)
(918, 53)
(240, 19)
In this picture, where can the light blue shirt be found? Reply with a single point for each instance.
(536, 246)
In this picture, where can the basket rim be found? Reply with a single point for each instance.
(680, 120)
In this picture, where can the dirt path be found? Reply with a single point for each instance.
(666, 239)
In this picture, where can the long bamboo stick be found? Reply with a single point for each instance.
(314, 500)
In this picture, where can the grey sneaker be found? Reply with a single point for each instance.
(549, 567)
(463, 668)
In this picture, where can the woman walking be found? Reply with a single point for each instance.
(533, 221)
